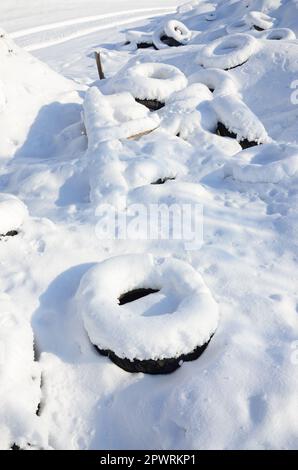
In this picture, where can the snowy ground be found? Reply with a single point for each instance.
(243, 392)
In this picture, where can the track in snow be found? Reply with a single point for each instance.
(57, 33)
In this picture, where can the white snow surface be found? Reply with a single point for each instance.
(13, 213)
(63, 156)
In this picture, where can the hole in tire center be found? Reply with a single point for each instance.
(136, 294)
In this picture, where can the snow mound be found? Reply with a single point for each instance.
(269, 163)
(117, 116)
(172, 192)
(149, 81)
(13, 213)
(27, 86)
(177, 319)
(144, 170)
(219, 81)
(135, 38)
(181, 114)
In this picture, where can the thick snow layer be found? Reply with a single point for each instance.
(227, 52)
(178, 31)
(172, 322)
(116, 116)
(269, 163)
(219, 81)
(242, 392)
(278, 34)
(173, 29)
(150, 81)
(13, 213)
(238, 118)
(259, 19)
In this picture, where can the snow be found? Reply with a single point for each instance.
(259, 19)
(227, 52)
(113, 117)
(238, 118)
(270, 164)
(150, 81)
(172, 322)
(13, 213)
(65, 150)
(177, 30)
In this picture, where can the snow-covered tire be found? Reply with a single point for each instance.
(139, 336)
(270, 163)
(178, 31)
(218, 81)
(278, 34)
(236, 120)
(13, 213)
(227, 52)
(151, 81)
(138, 40)
(172, 34)
(259, 20)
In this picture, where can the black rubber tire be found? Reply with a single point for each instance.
(150, 366)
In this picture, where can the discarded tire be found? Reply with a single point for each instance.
(152, 105)
(227, 52)
(278, 34)
(160, 366)
(259, 20)
(224, 132)
(150, 83)
(172, 34)
(171, 321)
(139, 40)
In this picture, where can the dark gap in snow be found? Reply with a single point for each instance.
(224, 132)
(145, 45)
(163, 180)
(257, 28)
(171, 42)
(135, 295)
(153, 105)
(11, 233)
(151, 366)
(274, 38)
(142, 45)
(235, 66)
(15, 447)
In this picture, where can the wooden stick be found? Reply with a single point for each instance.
(99, 66)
